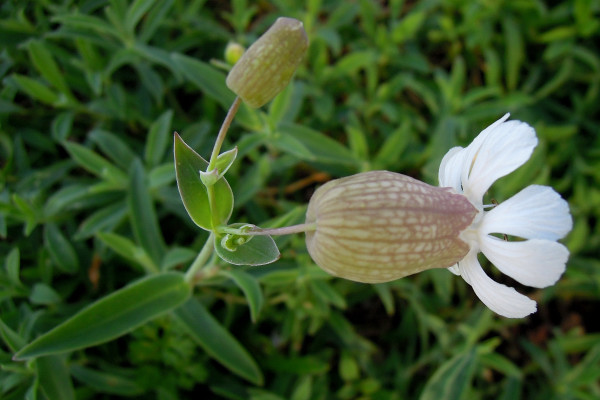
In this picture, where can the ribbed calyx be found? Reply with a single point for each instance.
(379, 226)
(269, 64)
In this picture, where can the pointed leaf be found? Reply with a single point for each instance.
(128, 250)
(112, 316)
(452, 379)
(224, 161)
(142, 214)
(61, 250)
(251, 289)
(106, 382)
(158, 138)
(217, 341)
(54, 378)
(194, 195)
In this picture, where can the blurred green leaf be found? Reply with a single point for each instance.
(36, 90)
(44, 294)
(144, 221)
(452, 379)
(45, 64)
(128, 250)
(250, 287)
(62, 252)
(217, 341)
(54, 378)
(158, 139)
(114, 147)
(106, 382)
(96, 164)
(112, 316)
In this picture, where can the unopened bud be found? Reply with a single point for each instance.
(380, 226)
(269, 64)
(233, 52)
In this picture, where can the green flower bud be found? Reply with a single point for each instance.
(268, 65)
(233, 52)
(380, 226)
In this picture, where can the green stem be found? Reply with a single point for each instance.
(223, 132)
(201, 258)
(286, 230)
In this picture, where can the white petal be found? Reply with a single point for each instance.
(473, 148)
(454, 269)
(536, 212)
(505, 148)
(535, 262)
(451, 168)
(499, 298)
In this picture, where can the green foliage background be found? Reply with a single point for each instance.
(91, 94)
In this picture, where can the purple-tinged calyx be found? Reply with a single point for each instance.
(379, 226)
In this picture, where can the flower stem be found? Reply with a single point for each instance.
(201, 258)
(286, 230)
(223, 132)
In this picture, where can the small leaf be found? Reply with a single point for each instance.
(54, 377)
(106, 382)
(36, 90)
(104, 219)
(114, 147)
(142, 214)
(45, 64)
(258, 250)
(452, 379)
(112, 316)
(44, 294)
(158, 138)
(128, 250)
(13, 266)
(251, 289)
(12, 339)
(61, 250)
(224, 161)
(194, 195)
(95, 163)
(217, 341)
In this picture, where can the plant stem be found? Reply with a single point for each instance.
(223, 132)
(286, 230)
(201, 258)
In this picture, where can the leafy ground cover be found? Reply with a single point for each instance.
(91, 94)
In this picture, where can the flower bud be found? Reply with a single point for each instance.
(268, 65)
(233, 52)
(379, 226)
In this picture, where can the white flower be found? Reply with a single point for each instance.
(537, 214)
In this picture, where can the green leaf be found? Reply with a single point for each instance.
(451, 379)
(515, 53)
(217, 341)
(393, 147)
(158, 139)
(251, 289)
(54, 378)
(61, 251)
(114, 147)
(323, 148)
(96, 164)
(44, 294)
(112, 316)
(194, 195)
(128, 250)
(224, 161)
(135, 12)
(45, 64)
(61, 126)
(12, 339)
(258, 250)
(36, 90)
(106, 382)
(144, 221)
(104, 219)
(12, 263)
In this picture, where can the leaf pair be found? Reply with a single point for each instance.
(192, 182)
